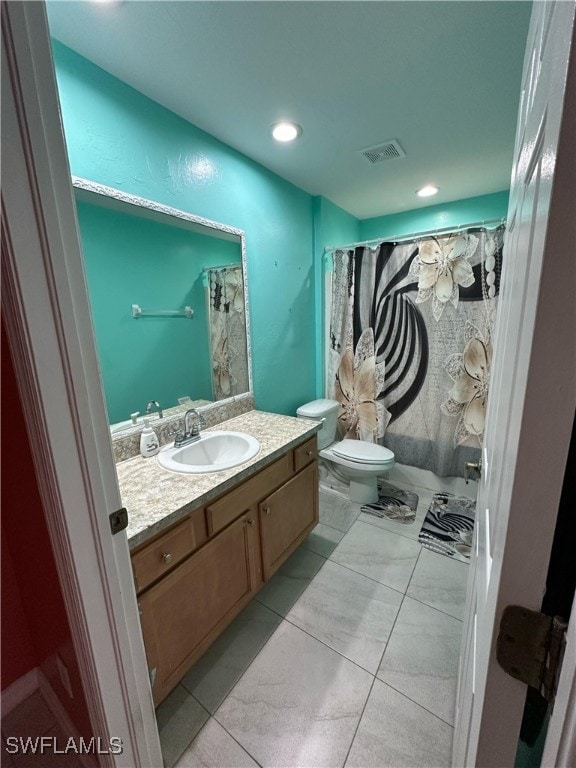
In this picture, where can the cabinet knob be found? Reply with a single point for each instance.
(267, 510)
(166, 558)
(309, 453)
(250, 522)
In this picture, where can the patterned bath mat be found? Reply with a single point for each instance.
(394, 504)
(449, 525)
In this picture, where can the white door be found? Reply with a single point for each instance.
(44, 305)
(532, 393)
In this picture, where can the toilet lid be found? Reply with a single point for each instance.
(360, 450)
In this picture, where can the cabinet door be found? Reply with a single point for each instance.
(183, 613)
(287, 516)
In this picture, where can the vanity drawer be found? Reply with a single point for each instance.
(159, 557)
(233, 504)
(305, 453)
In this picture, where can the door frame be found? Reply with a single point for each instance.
(47, 317)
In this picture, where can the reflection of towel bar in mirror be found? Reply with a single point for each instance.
(137, 312)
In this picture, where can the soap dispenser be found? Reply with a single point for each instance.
(149, 445)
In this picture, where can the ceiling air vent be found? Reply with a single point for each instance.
(388, 150)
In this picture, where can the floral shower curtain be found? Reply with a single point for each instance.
(227, 324)
(411, 345)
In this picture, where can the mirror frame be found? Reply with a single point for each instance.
(198, 224)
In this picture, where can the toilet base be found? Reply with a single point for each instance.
(364, 491)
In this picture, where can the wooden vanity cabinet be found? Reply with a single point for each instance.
(286, 517)
(219, 558)
(185, 611)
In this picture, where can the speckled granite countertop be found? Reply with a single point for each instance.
(156, 498)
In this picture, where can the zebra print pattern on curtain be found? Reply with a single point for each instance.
(429, 305)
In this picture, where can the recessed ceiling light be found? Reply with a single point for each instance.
(427, 191)
(285, 131)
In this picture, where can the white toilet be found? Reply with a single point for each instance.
(361, 462)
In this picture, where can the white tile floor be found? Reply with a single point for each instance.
(347, 657)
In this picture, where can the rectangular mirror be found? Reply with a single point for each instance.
(168, 293)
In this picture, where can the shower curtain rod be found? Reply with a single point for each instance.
(225, 266)
(414, 236)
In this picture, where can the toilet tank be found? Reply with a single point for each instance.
(322, 410)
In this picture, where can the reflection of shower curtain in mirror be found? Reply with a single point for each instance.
(410, 338)
(227, 326)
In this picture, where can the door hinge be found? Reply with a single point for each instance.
(118, 520)
(530, 647)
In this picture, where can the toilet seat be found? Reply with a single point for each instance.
(383, 464)
(362, 452)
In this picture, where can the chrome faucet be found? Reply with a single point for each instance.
(150, 405)
(191, 433)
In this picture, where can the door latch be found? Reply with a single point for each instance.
(530, 647)
(474, 466)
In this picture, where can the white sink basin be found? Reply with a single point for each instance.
(213, 452)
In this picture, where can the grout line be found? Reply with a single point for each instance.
(306, 632)
(435, 608)
(382, 528)
(195, 735)
(413, 570)
(388, 531)
(330, 648)
(382, 584)
(374, 678)
(242, 747)
(417, 703)
(407, 597)
(339, 529)
(264, 644)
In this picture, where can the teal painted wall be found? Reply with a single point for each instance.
(117, 136)
(332, 226)
(454, 214)
(132, 260)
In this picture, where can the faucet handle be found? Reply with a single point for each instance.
(179, 437)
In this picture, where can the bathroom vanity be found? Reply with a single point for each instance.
(197, 564)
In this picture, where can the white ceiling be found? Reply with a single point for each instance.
(441, 77)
